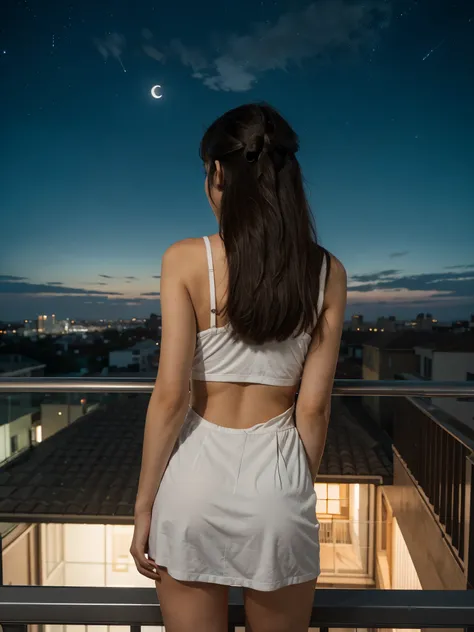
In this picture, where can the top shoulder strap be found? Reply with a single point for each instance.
(212, 286)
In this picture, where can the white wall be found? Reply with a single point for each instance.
(21, 428)
(54, 417)
(454, 367)
(51, 555)
(404, 575)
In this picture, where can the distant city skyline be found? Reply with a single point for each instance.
(99, 177)
(350, 316)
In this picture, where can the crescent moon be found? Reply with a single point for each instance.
(154, 94)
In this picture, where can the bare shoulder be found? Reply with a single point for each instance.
(183, 256)
(337, 271)
(182, 252)
(336, 288)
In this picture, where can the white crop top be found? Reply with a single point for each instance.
(220, 358)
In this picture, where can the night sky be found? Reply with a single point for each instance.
(98, 178)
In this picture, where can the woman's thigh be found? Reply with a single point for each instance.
(287, 609)
(192, 606)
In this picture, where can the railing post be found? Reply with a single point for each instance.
(469, 522)
(469, 527)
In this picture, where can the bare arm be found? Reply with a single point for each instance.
(314, 399)
(170, 398)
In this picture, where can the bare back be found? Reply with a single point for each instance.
(234, 405)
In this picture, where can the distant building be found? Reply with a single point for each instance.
(154, 323)
(384, 356)
(425, 322)
(46, 323)
(18, 411)
(143, 356)
(357, 322)
(349, 364)
(29, 328)
(450, 359)
(460, 326)
(389, 324)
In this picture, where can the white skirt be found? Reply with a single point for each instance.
(237, 507)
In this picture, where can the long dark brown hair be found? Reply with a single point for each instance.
(273, 257)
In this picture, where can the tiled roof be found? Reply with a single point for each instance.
(88, 472)
(351, 451)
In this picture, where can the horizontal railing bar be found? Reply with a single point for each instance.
(331, 608)
(380, 388)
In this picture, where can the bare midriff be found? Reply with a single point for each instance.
(240, 405)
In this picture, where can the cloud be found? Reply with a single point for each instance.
(324, 30)
(108, 276)
(20, 287)
(153, 52)
(112, 45)
(400, 253)
(156, 276)
(231, 77)
(375, 276)
(463, 266)
(150, 294)
(149, 49)
(54, 283)
(11, 277)
(454, 284)
(190, 57)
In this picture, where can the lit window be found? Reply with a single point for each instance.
(332, 498)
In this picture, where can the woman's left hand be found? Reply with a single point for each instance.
(139, 548)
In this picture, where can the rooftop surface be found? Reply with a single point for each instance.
(88, 472)
(10, 363)
(454, 343)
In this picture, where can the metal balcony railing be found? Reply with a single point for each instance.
(382, 388)
(136, 607)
